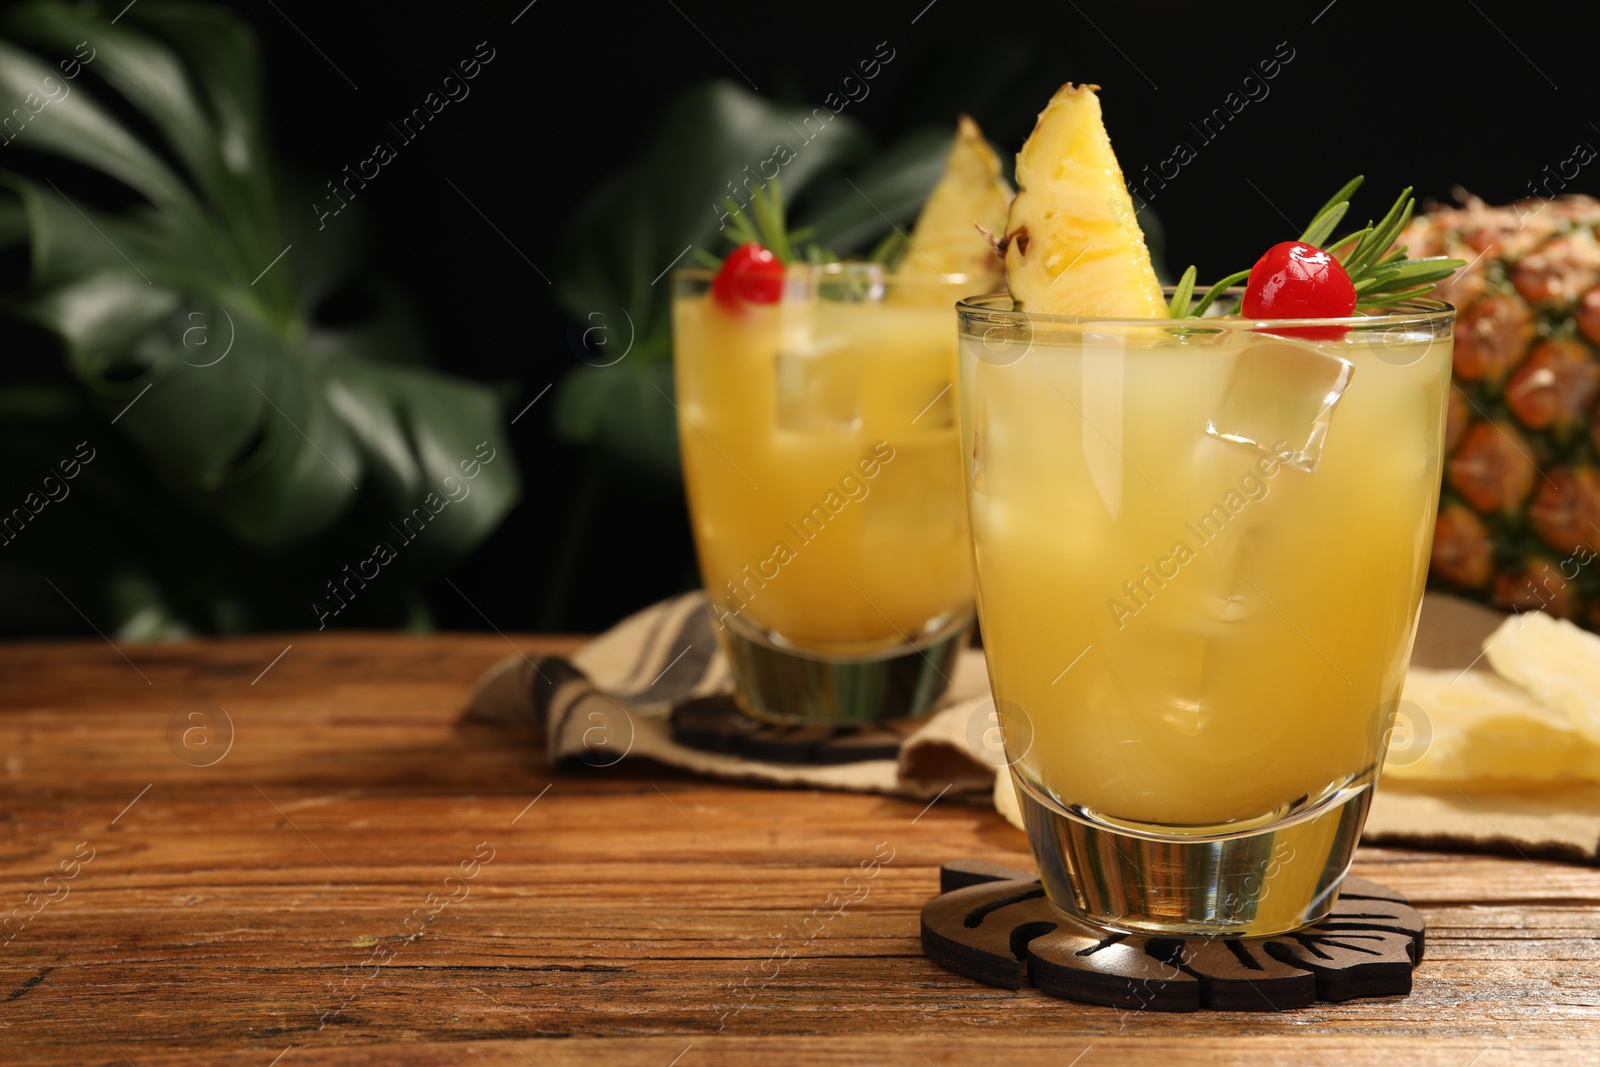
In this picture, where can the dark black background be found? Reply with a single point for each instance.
(1482, 95)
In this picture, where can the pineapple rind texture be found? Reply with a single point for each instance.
(1073, 243)
(1519, 515)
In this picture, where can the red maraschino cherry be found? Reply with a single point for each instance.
(1294, 280)
(750, 275)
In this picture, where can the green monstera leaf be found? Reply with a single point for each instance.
(186, 318)
(716, 140)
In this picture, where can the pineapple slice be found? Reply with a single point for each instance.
(1073, 245)
(1482, 726)
(970, 194)
(1555, 661)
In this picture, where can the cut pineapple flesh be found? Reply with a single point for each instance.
(1536, 718)
(1556, 662)
(1073, 245)
(1480, 726)
(971, 194)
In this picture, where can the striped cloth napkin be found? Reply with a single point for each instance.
(615, 698)
(614, 701)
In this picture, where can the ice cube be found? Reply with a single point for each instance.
(1230, 608)
(819, 388)
(1167, 690)
(1281, 400)
(910, 498)
(818, 372)
(1103, 400)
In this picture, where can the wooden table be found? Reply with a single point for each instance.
(306, 898)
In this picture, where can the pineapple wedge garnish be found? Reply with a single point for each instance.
(1073, 245)
(970, 194)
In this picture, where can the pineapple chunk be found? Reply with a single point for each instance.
(1555, 661)
(1482, 726)
(971, 193)
(1073, 245)
(1005, 800)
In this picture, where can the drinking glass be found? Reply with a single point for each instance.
(821, 457)
(1200, 550)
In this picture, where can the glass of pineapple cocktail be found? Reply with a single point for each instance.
(1200, 552)
(1200, 542)
(821, 457)
(821, 453)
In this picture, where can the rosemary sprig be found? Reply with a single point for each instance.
(1382, 275)
(1331, 213)
(892, 249)
(1182, 294)
(1217, 290)
(763, 221)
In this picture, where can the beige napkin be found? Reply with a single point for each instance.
(614, 699)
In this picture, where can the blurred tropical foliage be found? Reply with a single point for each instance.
(665, 203)
(259, 405)
(260, 411)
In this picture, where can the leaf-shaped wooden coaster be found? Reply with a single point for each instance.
(715, 724)
(994, 924)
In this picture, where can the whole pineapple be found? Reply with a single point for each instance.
(1519, 514)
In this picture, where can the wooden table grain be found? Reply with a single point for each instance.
(355, 878)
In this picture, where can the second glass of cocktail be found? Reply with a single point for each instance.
(817, 420)
(821, 457)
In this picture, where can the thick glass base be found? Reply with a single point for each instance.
(1276, 876)
(794, 687)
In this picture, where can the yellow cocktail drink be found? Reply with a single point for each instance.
(821, 456)
(1200, 540)
(1200, 549)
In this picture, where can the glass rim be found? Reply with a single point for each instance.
(840, 269)
(1418, 311)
